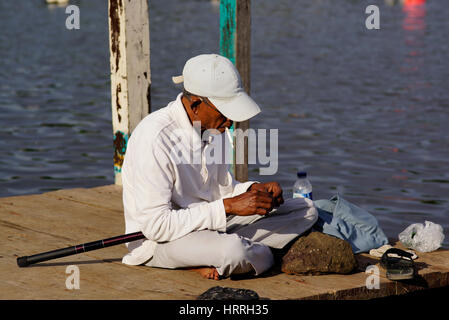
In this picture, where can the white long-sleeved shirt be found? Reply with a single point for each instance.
(166, 196)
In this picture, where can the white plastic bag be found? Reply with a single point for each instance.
(424, 238)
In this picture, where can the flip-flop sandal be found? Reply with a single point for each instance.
(398, 263)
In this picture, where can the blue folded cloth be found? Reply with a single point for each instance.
(344, 220)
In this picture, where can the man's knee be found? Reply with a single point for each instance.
(242, 254)
(236, 249)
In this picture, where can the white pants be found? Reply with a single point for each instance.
(245, 244)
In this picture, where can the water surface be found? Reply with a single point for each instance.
(363, 111)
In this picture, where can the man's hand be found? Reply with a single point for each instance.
(271, 187)
(249, 203)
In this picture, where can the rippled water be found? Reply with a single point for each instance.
(363, 111)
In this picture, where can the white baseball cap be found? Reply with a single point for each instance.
(216, 78)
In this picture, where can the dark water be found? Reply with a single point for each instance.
(365, 112)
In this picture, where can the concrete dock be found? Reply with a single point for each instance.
(36, 223)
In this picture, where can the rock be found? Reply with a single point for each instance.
(224, 293)
(319, 253)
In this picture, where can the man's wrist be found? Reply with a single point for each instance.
(227, 205)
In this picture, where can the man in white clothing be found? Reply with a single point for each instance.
(193, 213)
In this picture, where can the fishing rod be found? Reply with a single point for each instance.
(69, 251)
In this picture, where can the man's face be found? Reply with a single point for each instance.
(204, 111)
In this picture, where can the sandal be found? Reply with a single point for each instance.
(398, 263)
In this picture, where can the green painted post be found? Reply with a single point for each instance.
(228, 29)
(227, 45)
(235, 40)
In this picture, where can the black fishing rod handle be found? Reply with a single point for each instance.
(85, 247)
(27, 260)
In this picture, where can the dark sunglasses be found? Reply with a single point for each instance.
(203, 100)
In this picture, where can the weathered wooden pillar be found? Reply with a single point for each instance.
(235, 44)
(129, 44)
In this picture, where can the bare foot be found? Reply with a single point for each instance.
(207, 272)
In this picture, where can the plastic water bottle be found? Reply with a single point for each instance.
(302, 187)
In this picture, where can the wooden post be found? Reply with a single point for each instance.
(235, 44)
(129, 44)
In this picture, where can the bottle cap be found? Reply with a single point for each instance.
(301, 174)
